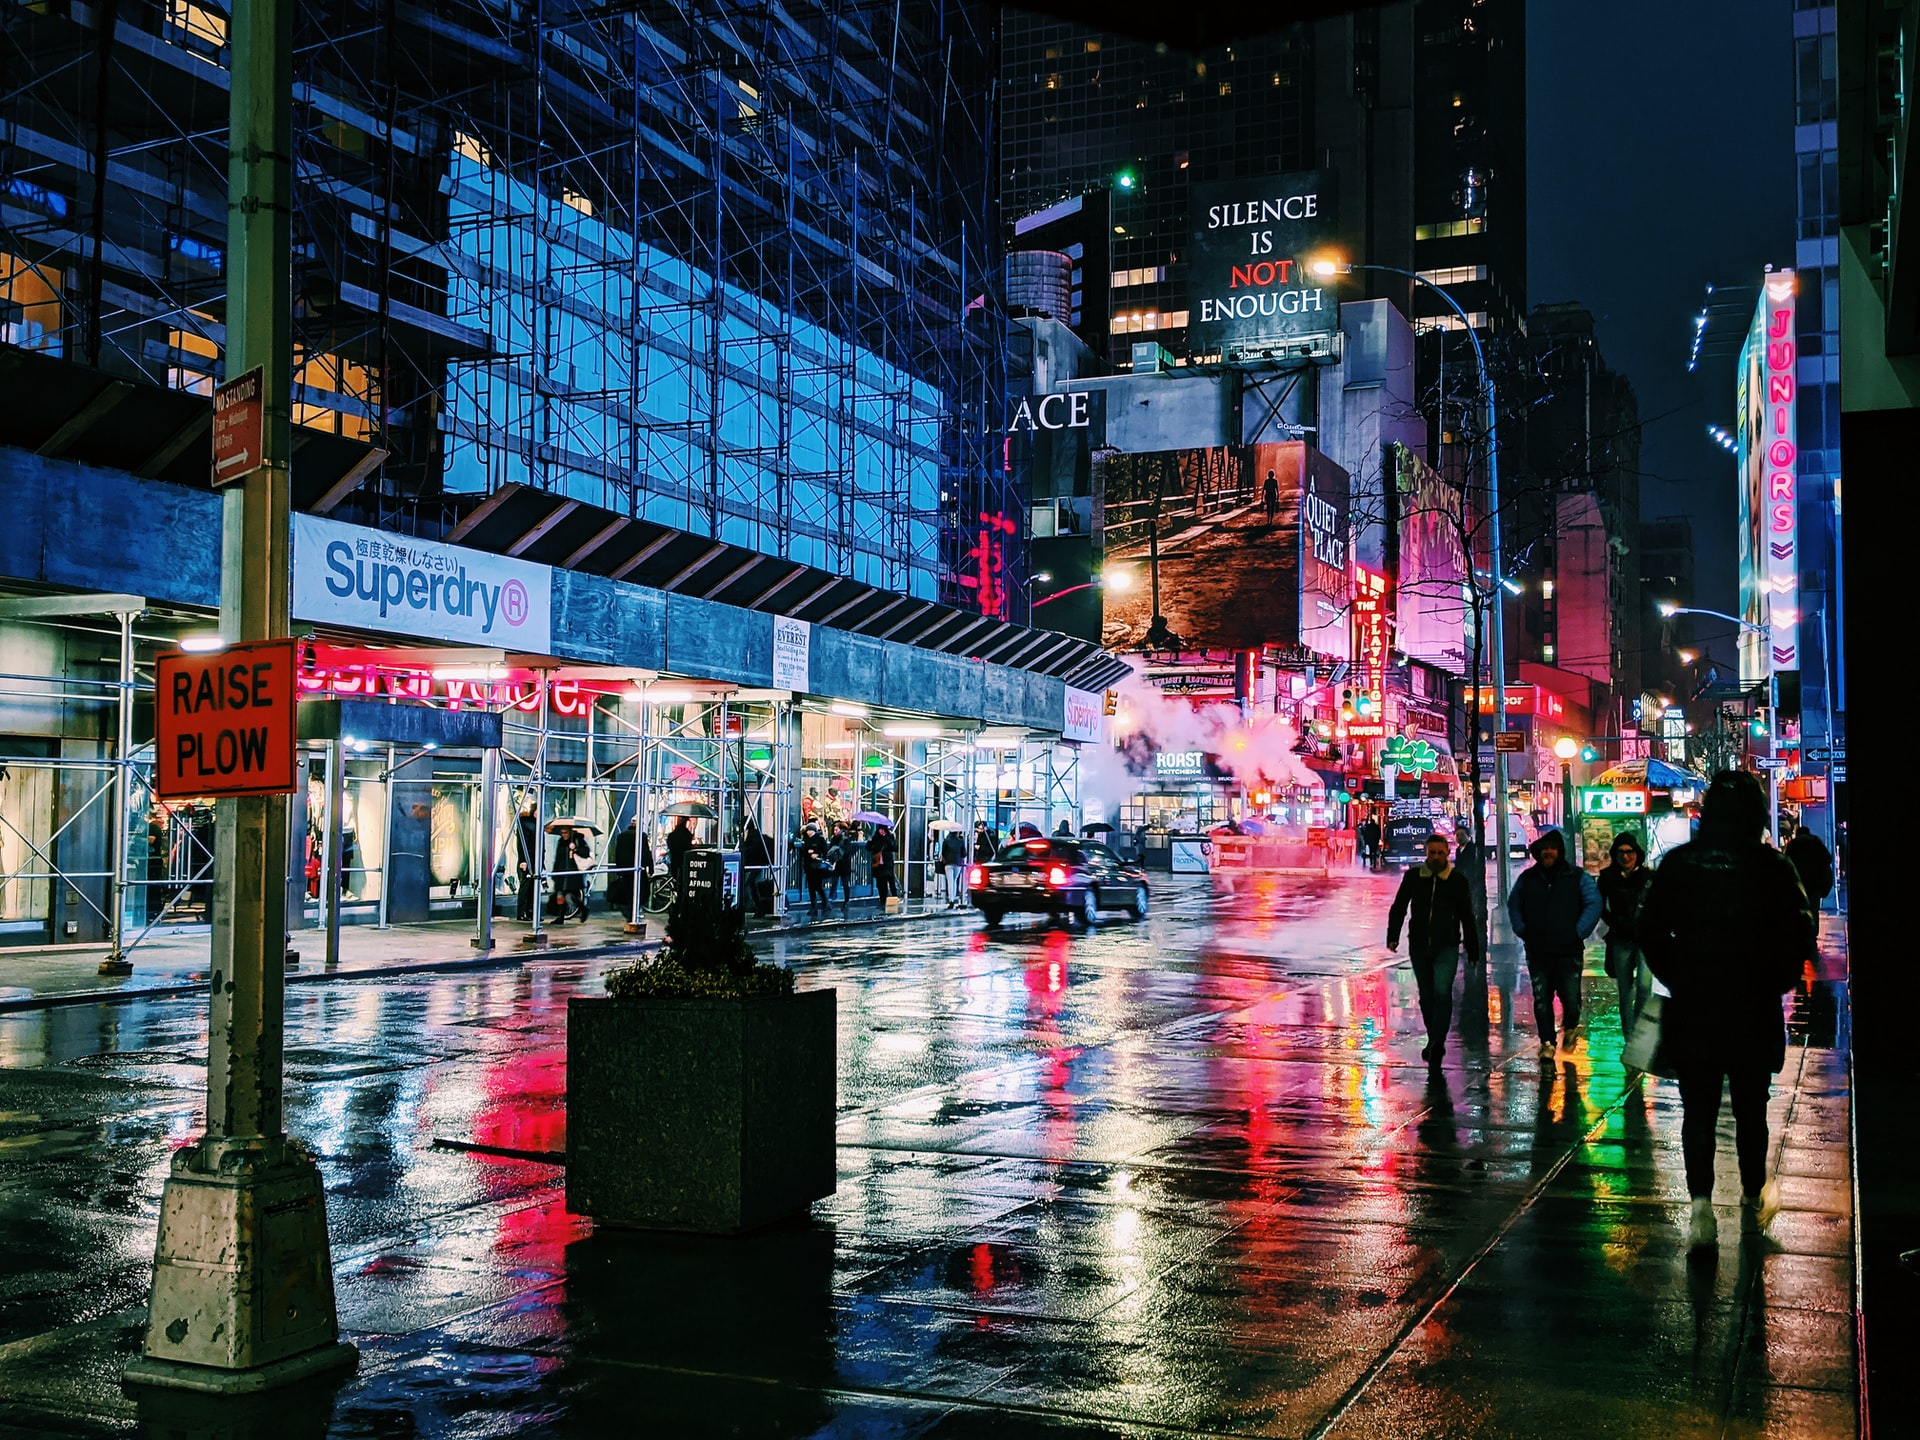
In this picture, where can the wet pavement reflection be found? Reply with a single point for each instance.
(1180, 1177)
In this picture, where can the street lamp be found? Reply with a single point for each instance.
(1327, 269)
(1566, 747)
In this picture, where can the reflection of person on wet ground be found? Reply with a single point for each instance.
(1727, 929)
(1441, 904)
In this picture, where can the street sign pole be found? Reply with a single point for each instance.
(243, 1280)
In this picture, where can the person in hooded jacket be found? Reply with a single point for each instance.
(1441, 903)
(1623, 890)
(1726, 927)
(1553, 908)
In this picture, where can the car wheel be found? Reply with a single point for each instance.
(1137, 907)
(990, 917)
(1089, 913)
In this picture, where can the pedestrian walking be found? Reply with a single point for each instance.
(756, 868)
(881, 849)
(985, 846)
(527, 838)
(840, 857)
(1440, 902)
(570, 855)
(1553, 907)
(1726, 927)
(1623, 891)
(1812, 862)
(815, 867)
(1369, 837)
(679, 845)
(953, 867)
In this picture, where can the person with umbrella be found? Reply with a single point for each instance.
(881, 849)
(679, 842)
(953, 865)
(571, 852)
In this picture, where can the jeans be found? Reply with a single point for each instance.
(1433, 972)
(1700, 1124)
(1633, 980)
(1555, 974)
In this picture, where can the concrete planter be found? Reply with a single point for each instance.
(706, 1115)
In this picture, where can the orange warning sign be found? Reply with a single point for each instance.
(224, 724)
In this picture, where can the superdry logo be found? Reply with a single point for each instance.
(1782, 549)
(1783, 655)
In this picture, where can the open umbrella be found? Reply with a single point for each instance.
(871, 817)
(1098, 827)
(571, 822)
(939, 825)
(692, 808)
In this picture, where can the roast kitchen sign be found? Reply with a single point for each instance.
(371, 580)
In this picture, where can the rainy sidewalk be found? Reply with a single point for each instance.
(1182, 1178)
(175, 962)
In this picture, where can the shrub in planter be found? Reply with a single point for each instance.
(700, 1091)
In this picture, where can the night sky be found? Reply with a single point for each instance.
(1660, 160)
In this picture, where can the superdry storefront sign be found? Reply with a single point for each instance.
(1081, 712)
(371, 580)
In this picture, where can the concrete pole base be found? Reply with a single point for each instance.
(478, 944)
(533, 942)
(116, 965)
(143, 1370)
(632, 928)
(242, 1276)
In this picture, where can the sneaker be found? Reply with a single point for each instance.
(1702, 1228)
(1546, 1047)
(1757, 1210)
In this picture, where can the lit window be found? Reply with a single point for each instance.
(1093, 47)
(334, 394)
(1546, 653)
(29, 304)
(471, 148)
(196, 356)
(577, 201)
(1226, 87)
(1546, 588)
(195, 27)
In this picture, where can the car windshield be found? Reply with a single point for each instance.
(1025, 851)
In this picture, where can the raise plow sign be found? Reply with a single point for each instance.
(224, 724)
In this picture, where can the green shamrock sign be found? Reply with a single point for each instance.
(1416, 757)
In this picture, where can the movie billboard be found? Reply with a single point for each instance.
(1250, 545)
(1766, 448)
(1430, 589)
(1248, 280)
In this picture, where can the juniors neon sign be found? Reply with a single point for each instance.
(1782, 507)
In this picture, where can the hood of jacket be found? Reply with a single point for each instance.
(1548, 837)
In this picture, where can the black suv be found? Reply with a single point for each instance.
(1057, 877)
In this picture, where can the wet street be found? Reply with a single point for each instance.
(1185, 1177)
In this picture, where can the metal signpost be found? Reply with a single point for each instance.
(243, 1281)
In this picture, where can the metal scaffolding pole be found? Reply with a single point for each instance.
(483, 888)
(386, 838)
(536, 936)
(116, 962)
(332, 882)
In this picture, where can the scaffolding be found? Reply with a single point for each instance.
(712, 265)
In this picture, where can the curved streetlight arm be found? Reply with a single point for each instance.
(1667, 612)
(1499, 637)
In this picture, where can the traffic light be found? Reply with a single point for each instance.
(1589, 753)
(1346, 705)
(1113, 702)
(1363, 704)
(1126, 180)
(1759, 726)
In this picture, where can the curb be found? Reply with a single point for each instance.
(494, 959)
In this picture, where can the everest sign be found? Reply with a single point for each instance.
(393, 584)
(223, 724)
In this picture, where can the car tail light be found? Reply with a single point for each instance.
(1057, 875)
(976, 877)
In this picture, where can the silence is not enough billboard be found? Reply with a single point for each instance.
(1249, 284)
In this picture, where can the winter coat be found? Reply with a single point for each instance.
(984, 846)
(1813, 862)
(953, 849)
(1443, 913)
(1555, 910)
(1726, 927)
(1622, 893)
(880, 851)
